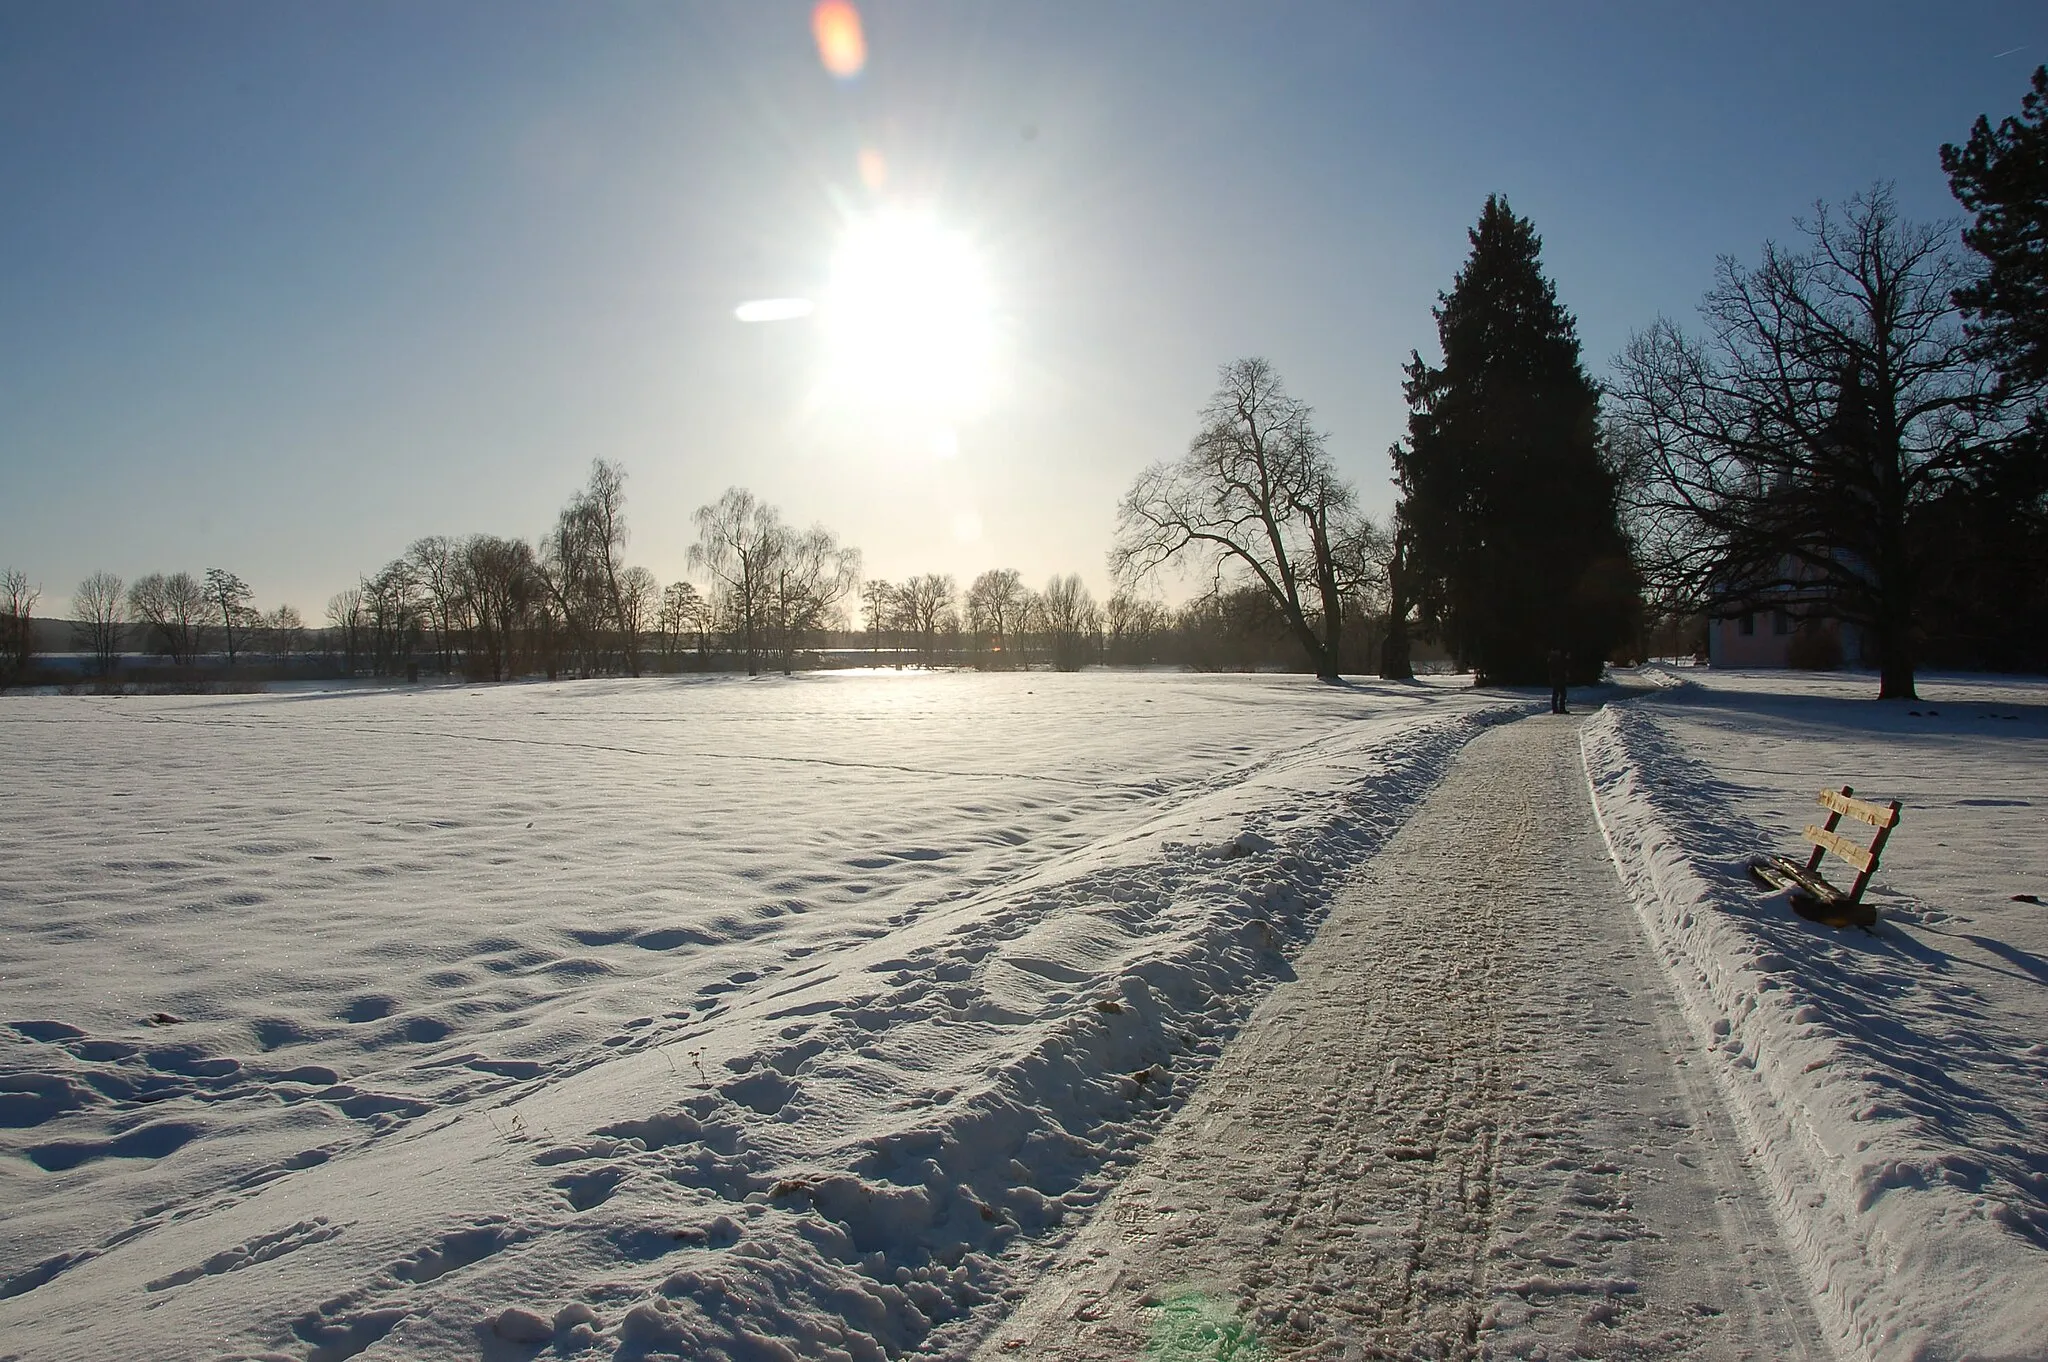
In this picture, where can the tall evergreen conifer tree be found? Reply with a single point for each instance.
(1516, 546)
(1987, 601)
(2001, 176)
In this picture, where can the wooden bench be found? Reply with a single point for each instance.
(1812, 896)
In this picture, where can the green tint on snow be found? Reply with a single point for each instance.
(1192, 1326)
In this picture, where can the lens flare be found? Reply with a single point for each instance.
(842, 49)
(874, 168)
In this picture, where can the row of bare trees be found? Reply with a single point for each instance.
(175, 616)
(999, 624)
(774, 588)
(482, 606)
(496, 608)
(471, 604)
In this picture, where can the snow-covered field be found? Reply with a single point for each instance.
(653, 1017)
(1895, 1084)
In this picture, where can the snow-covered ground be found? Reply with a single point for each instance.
(647, 1018)
(1895, 1084)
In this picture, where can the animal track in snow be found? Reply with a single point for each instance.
(40, 1273)
(587, 1190)
(260, 1249)
(337, 1333)
(153, 1141)
(453, 1252)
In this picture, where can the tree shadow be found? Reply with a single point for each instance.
(1793, 714)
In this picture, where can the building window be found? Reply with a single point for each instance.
(1781, 623)
(1748, 625)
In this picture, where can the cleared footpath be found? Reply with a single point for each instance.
(1469, 1126)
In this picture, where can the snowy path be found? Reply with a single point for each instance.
(1470, 1125)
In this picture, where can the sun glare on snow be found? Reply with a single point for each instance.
(841, 47)
(908, 315)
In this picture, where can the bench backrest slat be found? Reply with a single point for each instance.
(1877, 815)
(1855, 855)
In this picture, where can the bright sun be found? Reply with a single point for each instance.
(908, 316)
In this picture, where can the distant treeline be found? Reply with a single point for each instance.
(490, 608)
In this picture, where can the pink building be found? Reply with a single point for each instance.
(1776, 638)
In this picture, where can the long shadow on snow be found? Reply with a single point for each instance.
(1791, 715)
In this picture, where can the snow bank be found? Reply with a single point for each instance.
(754, 1020)
(1895, 1104)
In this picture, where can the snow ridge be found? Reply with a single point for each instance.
(1917, 1210)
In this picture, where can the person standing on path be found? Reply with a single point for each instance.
(1560, 674)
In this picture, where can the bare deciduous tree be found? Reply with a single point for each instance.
(1071, 623)
(435, 562)
(97, 615)
(583, 564)
(392, 606)
(1397, 567)
(638, 600)
(927, 605)
(682, 620)
(1782, 459)
(604, 506)
(501, 587)
(881, 609)
(738, 539)
(1255, 494)
(995, 609)
(284, 633)
(812, 574)
(228, 595)
(17, 624)
(576, 598)
(173, 607)
(345, 617)
(1133, 625)
(772, 586)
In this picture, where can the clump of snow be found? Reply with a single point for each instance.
(1892, 1084)
(672, 1016)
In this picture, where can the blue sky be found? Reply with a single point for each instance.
(285, 287)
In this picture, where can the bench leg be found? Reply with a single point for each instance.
(1876, 850)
